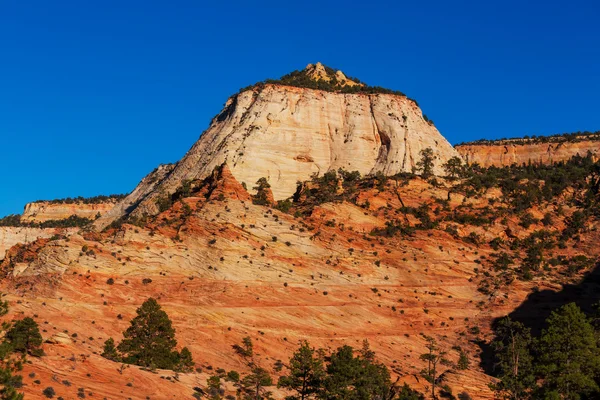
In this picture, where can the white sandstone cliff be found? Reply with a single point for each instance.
(286, 134)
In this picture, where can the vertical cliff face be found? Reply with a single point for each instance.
(287, 133)
(505, 153)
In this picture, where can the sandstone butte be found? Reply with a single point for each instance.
(508, 152)
(286, 134)
(224, 268)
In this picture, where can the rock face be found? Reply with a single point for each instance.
(286, 134)
(41, 211)
(506, 153)
(10, 236)
(146, 186)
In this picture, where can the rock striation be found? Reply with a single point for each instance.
(286, 134)
(505, 153)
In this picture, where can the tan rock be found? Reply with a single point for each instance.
(507, 153)
(59, 338)
(41, 211)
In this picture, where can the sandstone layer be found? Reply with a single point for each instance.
(507, 153)
(41, 211)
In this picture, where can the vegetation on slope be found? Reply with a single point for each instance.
(303, 80)
(73, 221)
(572, 137)
(85, 200)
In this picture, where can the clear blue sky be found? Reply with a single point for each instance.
(95, 94)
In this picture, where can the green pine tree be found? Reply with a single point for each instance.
(150, 340)
(110, 351)
(24, 336)
(569, 357)
(463, 361)
(425, 164)
(306, 373)
(253, 385)
(355, 377)
(433, 356)
(186, 362)
(407, 393)
(514, 360)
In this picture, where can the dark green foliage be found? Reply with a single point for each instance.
(233, 376)
(525, 186)
(261, 197)
(463, 361)
(49, 392)
(284, 205)
(407, 393)
(150, 341)
(254, 384)
(71, 222)
(9, 383)
(454, 167)
(514, 361)
(110, 351)
(355, 377)
(392, 228)
(246, 349)
(568, 354)
(85, 200)
(186, 363)
(164, 202)
(556, 138)
(24, 336)
(425, 164)
(303, 80)
(11, 220)
(306, 373)
(433, 357)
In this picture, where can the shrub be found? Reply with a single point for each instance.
(49, 392)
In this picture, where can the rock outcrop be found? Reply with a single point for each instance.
(286, 134)
(42, 211)
(505, 153)
(11, 236)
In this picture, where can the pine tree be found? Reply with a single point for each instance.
(569, 354)
(407, 393)
(261, 197)
(360, 377)
(150, 340)
(454, 167)
(24, 336)
(425, 165)
(433, 356)
(186, 363)
(306, 373)
(463, 361)
(514, 360)
(253, 385)
(110, 351)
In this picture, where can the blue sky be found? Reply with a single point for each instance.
(95, 94)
